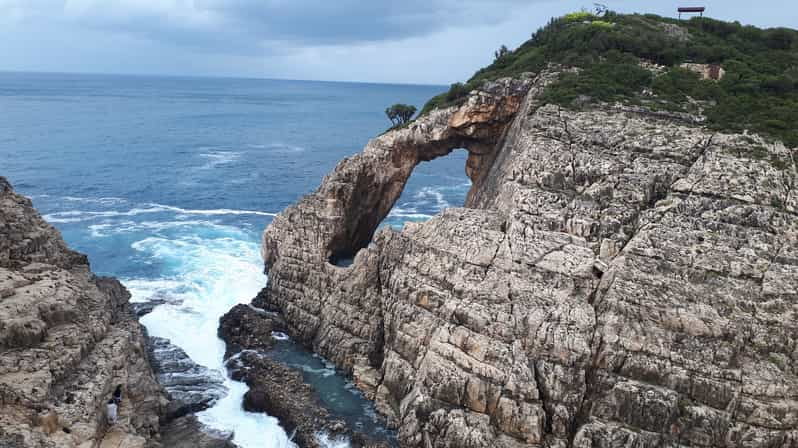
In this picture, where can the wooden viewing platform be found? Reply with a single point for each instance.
(692, 10)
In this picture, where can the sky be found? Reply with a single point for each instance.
(407, 41)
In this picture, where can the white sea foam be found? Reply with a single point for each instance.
(280, 336)
(80, 215)
(120, 227)
(102, 201)
(325, 440)
(325, 372)
(435, 194)
(283, 147)
(216, 158)
(410, 212)
(261, 310)
(210, 275)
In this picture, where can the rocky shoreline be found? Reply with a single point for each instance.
(67, 339)
(616, 279)
(275, 388)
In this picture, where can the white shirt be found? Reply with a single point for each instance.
(111, 409)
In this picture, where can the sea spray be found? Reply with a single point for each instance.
(208, 270)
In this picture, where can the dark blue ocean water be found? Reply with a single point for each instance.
(167, 183)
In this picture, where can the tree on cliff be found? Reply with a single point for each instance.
(400, 114)
(500, 53)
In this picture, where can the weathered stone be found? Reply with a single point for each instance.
(190, 386)
(275, 388)
(67, 339)
(619, 278)
(187, 432)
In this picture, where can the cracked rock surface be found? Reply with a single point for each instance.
(615, 279)
(67, 339)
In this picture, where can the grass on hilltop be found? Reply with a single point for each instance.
(759, 91)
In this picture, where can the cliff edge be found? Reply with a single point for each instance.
(618, 277)
(67, 339)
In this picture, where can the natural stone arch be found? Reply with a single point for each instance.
(347, 208)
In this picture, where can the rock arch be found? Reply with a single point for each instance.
(341, 216)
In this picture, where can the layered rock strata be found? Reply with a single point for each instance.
(67, 339)
(190, 386)
(618, 279)
(278, 389)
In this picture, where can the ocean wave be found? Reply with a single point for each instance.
(144, 290)
(326, 441)
(283, 147)
(115, 228)
(323, 372)
(435, 194)
(280, 336)
(216, 158)
(81, 215)
(111, 200)
(412, 213)
(211, 275)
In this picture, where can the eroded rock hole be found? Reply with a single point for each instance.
(342, 258)
(432, 187)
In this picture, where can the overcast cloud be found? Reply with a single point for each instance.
(418, 41)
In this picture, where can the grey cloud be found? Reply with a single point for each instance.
(258, 26)
(357, 21)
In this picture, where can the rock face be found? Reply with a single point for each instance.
(67, 339)
(617, 279)
(190, 386)
(275, 388)
(187, 432)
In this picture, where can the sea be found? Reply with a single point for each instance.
(168, 182)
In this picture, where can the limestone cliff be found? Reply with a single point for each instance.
(617, 278)
(67, 339)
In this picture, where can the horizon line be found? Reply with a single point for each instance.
(207, 76)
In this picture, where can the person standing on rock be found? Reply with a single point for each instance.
(110, 410)
(117, 398)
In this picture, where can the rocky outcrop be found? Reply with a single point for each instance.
(67, 339)
(187, 432)
(617, 279)
(189, 386)
(275, 388)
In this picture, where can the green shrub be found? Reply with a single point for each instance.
(456, 94)
(759, 91)
(602, 24)
(400, 114)
(612, 80)
(578, 16)
(456, 91)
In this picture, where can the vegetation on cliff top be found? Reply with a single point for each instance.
(400, 114)
(759, 91)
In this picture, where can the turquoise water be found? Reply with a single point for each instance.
(168, 182)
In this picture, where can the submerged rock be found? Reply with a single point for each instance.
(187, 432)
(275, 388)
(618, 279)
(246, 327)
(190, 386)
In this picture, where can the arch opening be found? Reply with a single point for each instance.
(432, 187)
(343, 258)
